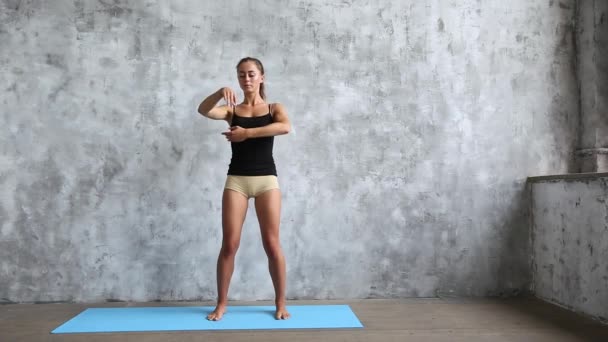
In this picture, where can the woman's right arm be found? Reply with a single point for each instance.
(208, 108)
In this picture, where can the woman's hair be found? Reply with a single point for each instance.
(260, 67)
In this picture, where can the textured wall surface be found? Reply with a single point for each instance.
(570, 243)
(415, 125)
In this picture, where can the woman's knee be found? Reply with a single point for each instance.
(229, 248)
(272, 246)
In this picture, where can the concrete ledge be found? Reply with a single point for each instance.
(569, 222)
(568, 176)
(591, 151)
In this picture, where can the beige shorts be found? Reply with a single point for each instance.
(251, 186)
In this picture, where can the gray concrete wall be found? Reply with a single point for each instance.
(415, 125)
(570, 243)
(592, 52)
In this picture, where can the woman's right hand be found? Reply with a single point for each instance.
(228, 95)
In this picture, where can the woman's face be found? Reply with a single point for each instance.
(250, 77)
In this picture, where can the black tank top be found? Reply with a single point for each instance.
(252, 157)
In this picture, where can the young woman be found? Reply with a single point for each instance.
(251, 174)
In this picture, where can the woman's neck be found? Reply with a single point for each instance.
(253, 100)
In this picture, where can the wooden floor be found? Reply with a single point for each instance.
(384, 320)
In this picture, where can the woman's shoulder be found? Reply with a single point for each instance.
(276, 106)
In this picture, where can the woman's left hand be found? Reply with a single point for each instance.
(236, 134)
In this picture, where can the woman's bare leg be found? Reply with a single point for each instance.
(268, 209)
(234, 209)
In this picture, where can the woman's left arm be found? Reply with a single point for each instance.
(279, 126)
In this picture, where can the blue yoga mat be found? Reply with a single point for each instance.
(194, 318)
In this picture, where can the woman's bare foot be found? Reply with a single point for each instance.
(282, 312)
(217, 314)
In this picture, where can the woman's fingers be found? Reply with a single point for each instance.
(232, 98)
(235, 134)
(229, 97)
(227, 134)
